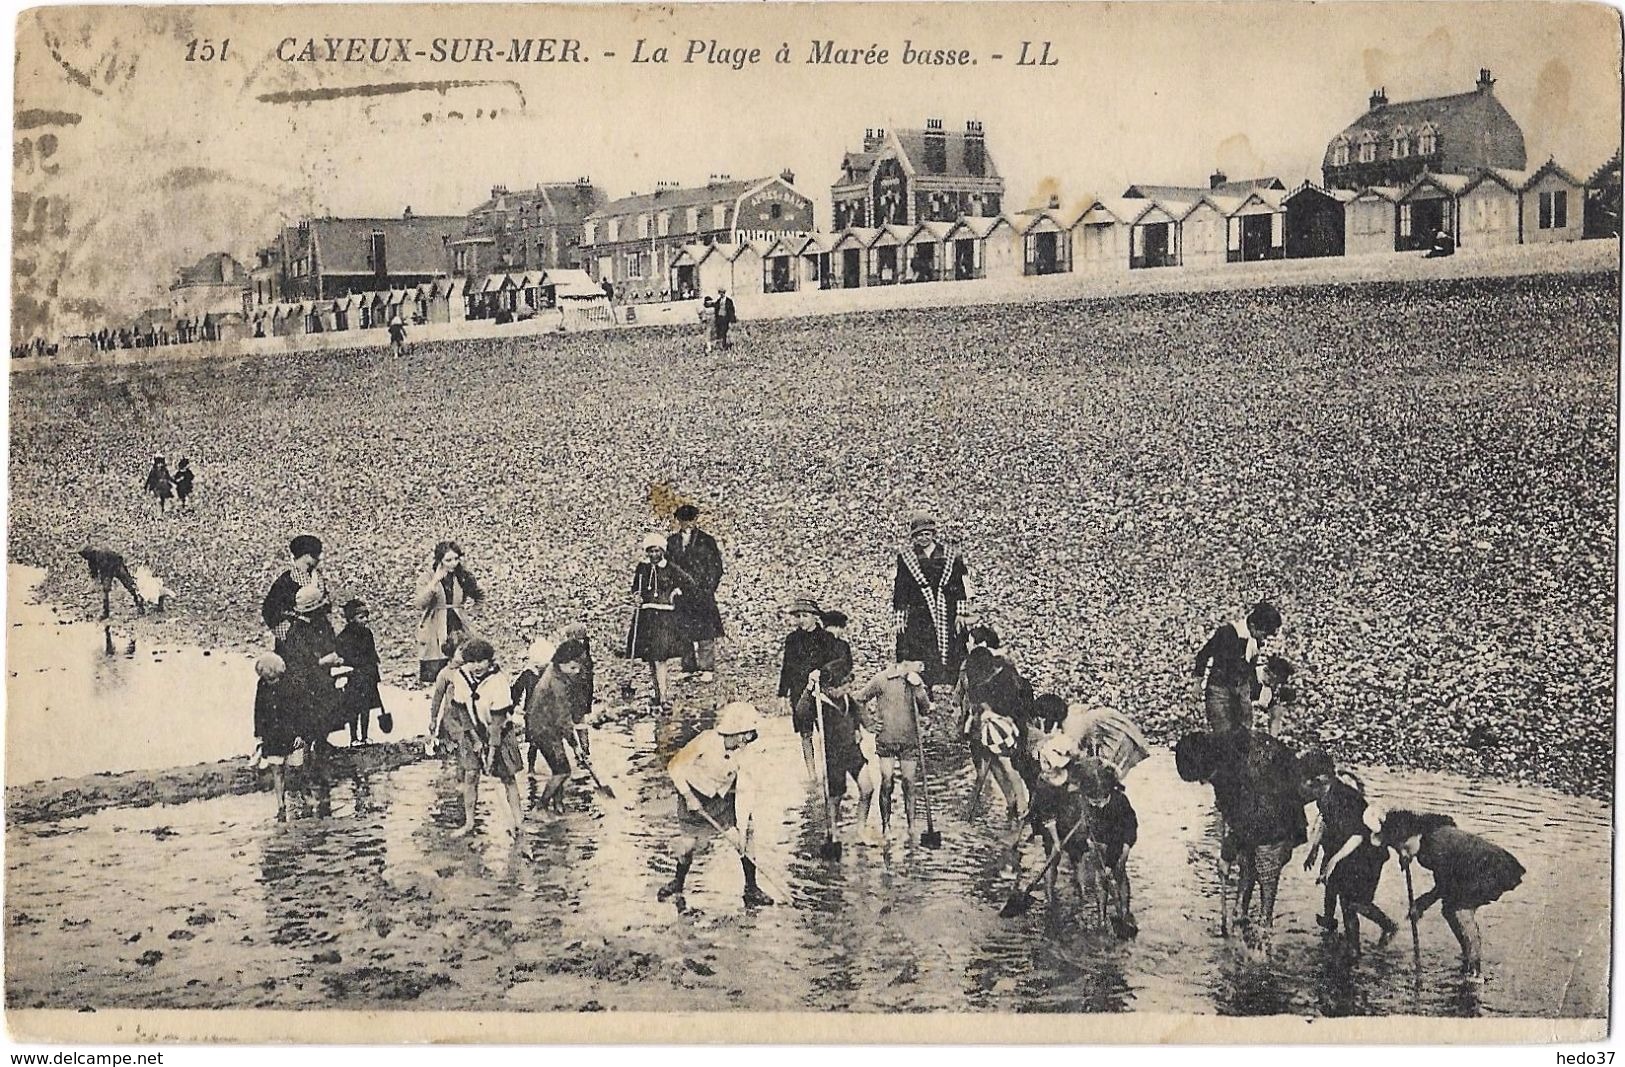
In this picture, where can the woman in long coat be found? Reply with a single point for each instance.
(442, 599)
(930, 585)
(656, 635)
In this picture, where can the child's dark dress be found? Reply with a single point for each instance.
(1342, 816)
(1468, 871)
(183, 483)
(274, 721)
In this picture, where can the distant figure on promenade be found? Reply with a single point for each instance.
(397, 335)
(442, 599)
(106, 567)
(183, 481)
(699, 621)
(930, 586)
(159, 483)
(723, 316)
(277, 609)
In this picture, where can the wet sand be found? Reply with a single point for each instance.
(213, 904)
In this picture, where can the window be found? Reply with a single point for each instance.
(1427, 141)
(643, 225)
(614, 230)
(1404, 220)
(1368, 147)
(1554, 209)
(1340, 152)
(637, 265)
(663, 223)
(591, 233)
(1400, 143)
(693, 220)
(719, 216)
(775, 211)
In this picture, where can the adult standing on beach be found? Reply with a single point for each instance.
(306, 569)
(442, 600)
(694, 551)
(930, 590)
(312, 669)
(723, 316)
(655, 636)
(397, 335)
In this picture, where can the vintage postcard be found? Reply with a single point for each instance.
(813, 522)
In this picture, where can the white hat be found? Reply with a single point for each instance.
(738, 718)
(540, 653)
(653, 540)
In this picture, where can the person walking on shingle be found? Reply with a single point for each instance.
(397, 335)
(183, 481)
(723, 316)
(160, 484)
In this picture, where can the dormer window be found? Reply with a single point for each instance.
(1400, 143)
(1340, 151)
(1368, 147)
(1427, 140)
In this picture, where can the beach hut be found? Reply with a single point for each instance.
(377, 310)
(780, 266)
(1100, 238)
(925, 252)
(850, 255)
(582, 303)
(886, 266)
(1429, 206)
(1371, 221)
(1153, 230)
(1204, 230)
(813, 253)
(1488, 207)
(1257, 228)
(748, 259)
(714, 269)
(988, 245)
(1315, 221)
(1550, 205)
(1046, 242)
(685, 271)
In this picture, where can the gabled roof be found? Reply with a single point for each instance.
(1610, 169)
(1549, 167)
(757, 248)
(1391, 193)
(1271, 199)
(912, 143)
(216, 268)
(573, 284)
(1449, 184)
(415, 245)
(931, 230)
(690, 254)
(1192, 193)
(1033, 219)
(892, 234)
(862, 236)
(1461, 120)
(1224, 205)
(1342, 196)
(980, 225)
(811, 244)
(1511, 181)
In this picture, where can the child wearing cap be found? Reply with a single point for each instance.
(275, 726)
(477, 694)
(715, 791)
(1351, 866)
(358, 649)
(806, 648)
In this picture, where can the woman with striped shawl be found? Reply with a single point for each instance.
(930, 587)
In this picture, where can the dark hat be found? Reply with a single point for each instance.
(687, 513)
(1264, 616)
(805, 605)
(1196, 756)
(570, 651)
(834, 618)
(1096, 780)
(1049, 708)
(837, 671)
(305, 545)
(921, 521)
(1316, 762)
(355, 608)
(984, 635)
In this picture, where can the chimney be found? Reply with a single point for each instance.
(498, 190)
(1216, 179)
(1054, 202)
(872, 138)
(788, 176)
(1486, 84)
(1379, 98)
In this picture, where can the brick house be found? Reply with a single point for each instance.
(320, 259)
(1396, 143)
(526, 229)
(906, 177)
(634, 242)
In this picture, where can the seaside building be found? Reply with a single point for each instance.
(214, 285)
(526, 229)
(905, 177)
(324, 258)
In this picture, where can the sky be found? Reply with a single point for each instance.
(170, 160)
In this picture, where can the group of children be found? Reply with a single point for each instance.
(166, 486)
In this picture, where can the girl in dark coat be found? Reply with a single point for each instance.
(358, 650)
(159, 483)
(274, 725)
(312, 659)
(1468, 871)
(183, 481)
(656, 635)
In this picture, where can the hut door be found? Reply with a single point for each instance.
(1255, 237)
(1156, 244)
(965, 259)
(851, 268)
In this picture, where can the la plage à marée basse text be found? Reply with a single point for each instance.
(572, 50)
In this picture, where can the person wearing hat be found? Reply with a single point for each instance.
(695, 552)
(314, 675)
(711, 776)
(477, 692)
(1468, 871)
(306, 569)
(356, 646)
(275, 727)
(723, 316)
(1234, 668)
(896, 700)
(159, 483)
(1351, 866)
(829, 697)
(655, 636)
(806, 648)
(929, 590)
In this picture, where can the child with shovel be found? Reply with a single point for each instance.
(828, 703)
